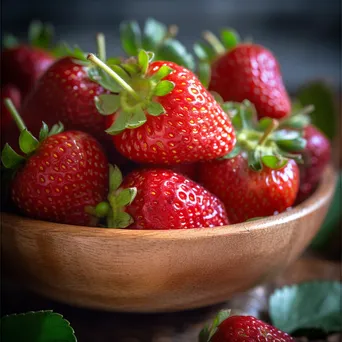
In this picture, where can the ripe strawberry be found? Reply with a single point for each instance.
(12, 92)
(164, 115)
(242, 329)
(22, 64)
(249, 71)
(62, 175)
(162, 199)
(257, 180)
(316, 156)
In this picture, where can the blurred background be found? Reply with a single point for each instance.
(303, 34)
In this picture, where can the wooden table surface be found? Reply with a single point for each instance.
(95, 326)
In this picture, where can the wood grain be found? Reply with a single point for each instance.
(144, 271)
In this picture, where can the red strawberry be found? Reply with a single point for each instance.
(244, 71)
(316, 155)
(257, 180)
(63, 175)
(164, 115)
(247, 193)
(160, 199)
(23, 65)
(12, 92)
(247, 328)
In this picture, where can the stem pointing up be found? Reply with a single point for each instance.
(91, 57)
(14, 113)
(101, 46)
(214, 42)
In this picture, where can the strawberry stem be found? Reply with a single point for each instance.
(91, 57)
(273, 126)
(14, 113)
(214, 42)
(101, 46)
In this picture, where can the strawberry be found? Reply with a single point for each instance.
(22, 64)
(161, 199)
(163, 114)
(257, 179)
(249, 71)
(62, 174)
(242, 329)
(316, 156)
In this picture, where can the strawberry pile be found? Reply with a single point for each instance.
(145, 142)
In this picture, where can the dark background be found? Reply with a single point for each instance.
(303, 34)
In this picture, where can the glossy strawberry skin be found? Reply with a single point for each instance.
(251, 72)
(12, 92)
(246, 193)
(67, 94)
(193, 128)
(23, 65)
(316, 155)
(168, 200)
(248, 329)
(67, 172)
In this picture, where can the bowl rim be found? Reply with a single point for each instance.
(322, 194)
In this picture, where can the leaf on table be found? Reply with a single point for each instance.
(321, 96)
(39, 326)
(312, 305)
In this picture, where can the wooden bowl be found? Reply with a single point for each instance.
(151, 271)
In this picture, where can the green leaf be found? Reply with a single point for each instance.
(155, 108)
(56, 129)
(126, 197)
(285, 134)
(208, 332)
(121, 72)
(119, 124)
(230, 38)
(11, 159)
(143, 61)
(254, 160)
(296, 122)
(204, 52)
(273, 162)
(107, 104)
(295, 145)
(115, 178)
(27, 142)
(163, 88)
(312, 305)
(154, 33)
(40, 326)
(9, 41)
(122, 220)
(40, 35)
(264, 123)
(137, 119)
(130, 36)
(102, 78)
(173, 50)
(236, 151)
(131, 68)
(162, 72)
(113, 60)
(44, 132)
(204, 73)
(325, 114)
(62, 49)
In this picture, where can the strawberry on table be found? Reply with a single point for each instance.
(60, 176)
(160, 199)
(22, 64)
(246, 71)
(259, 178)
(162, 114)
(226, 328)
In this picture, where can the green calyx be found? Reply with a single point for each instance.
(209, 331)
(265, 142)
(27, 142)
(213, 47)
(135, 92)
(39, 35)
(113, 210)
(156, 37)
